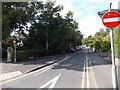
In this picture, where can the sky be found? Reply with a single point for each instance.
(85, 13)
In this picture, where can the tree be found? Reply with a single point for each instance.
(101, 40)
(16, 15)
(47, 25)
(117, 41)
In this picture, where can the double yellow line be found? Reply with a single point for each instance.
(86, 73)
(85, 76)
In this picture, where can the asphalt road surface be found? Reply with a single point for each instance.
(82, 69)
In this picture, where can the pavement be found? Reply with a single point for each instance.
(102, 69)
(82, 69)
(11, 70)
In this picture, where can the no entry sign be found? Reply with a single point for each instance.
(111, 19)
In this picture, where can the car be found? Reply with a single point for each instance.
(80, 47)
(77, 48)
(70, 50)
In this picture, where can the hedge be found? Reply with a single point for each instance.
(117, 42)
(36, 53)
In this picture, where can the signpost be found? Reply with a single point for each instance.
(111, 20)
(14, 44)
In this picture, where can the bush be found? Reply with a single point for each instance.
(105, 46)
(24, 55)
(117, 42)
(36, 53)
(97, 45)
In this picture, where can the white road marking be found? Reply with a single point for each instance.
(23, 75)
(49, 67)
(42, 71)
(85, 70)
(68, 57)
(52, 82)
(116, 19)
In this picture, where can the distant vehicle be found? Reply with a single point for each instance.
(80, 47)
(77, 48)
(70, 50)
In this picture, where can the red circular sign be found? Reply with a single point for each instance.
(14, 41)
(111, 19)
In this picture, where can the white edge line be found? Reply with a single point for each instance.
(49, 67)
(30, 72)
(43, 71)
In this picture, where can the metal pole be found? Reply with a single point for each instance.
(15, 54)
(114, 77)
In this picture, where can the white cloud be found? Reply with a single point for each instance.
(69, 7)
(90, 25)
(115, 5)
(88, 1)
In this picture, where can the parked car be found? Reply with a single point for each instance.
(77, 48)
(70, 50)
(80, 47)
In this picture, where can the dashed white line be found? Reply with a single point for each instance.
(43, 71)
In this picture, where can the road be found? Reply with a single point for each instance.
(82, 69)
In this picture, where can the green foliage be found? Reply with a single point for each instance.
(97, 45)
(105, 46)
(35, 53)
(47, 24)
(16, 15)
(24, 55)
(51, 26)
(101, 40)
(117, 42)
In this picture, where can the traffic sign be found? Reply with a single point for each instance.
(14, 41)
(14, 44)
(111, 19)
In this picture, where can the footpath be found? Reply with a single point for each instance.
(11, 70)
(101, 73)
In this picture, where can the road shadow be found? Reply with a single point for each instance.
(76, 61)
(96, 59)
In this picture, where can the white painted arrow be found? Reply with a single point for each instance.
(52, 82)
